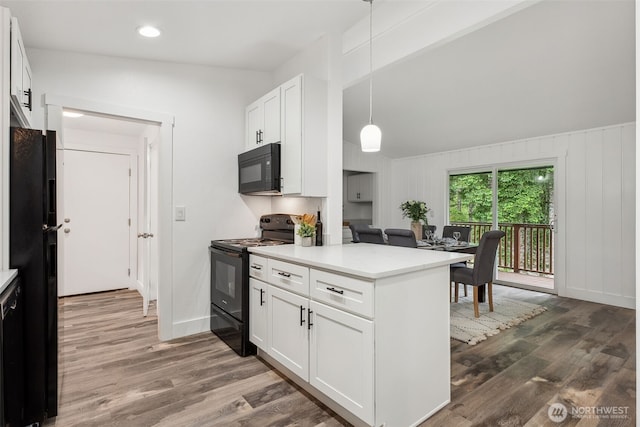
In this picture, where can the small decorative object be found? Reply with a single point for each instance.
(417, 212)
(307, 229)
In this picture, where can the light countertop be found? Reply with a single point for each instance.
(362, 259)
(6, 277)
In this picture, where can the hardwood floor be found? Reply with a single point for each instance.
(115, 372)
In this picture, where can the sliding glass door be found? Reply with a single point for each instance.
(518, 201)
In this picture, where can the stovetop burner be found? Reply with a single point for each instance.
(276, 229)
(250, 242)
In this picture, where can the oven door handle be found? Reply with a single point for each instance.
(225, 252)
(233, 254)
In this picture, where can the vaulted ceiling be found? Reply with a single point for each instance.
(553, 67)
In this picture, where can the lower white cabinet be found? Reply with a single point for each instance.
(258, 313)
(341, 358)
(288, 330)
(374, 349)
(326, 346)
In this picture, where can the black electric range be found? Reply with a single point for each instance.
(230, 280)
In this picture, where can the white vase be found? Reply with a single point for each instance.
(416, 227)
(307, 241)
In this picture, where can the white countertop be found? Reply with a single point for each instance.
(6, 277)
(363, 259)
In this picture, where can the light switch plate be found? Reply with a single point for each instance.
(181, 214)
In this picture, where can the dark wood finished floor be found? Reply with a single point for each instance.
(115, 372)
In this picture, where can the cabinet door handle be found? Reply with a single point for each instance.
(261, 293)
(302, 315)
(28, 103)
(337, 291)
(283, 274)
(256, 267)
(257, 137)
(309, 324)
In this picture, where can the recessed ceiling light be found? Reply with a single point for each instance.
(148, 31)
(72, 114)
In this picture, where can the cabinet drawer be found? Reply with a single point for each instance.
(258, 267)
(292, 277)
(343, 292)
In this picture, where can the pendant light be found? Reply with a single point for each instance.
(370, 135)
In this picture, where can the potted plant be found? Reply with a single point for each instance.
(417, 212)
(306, 228)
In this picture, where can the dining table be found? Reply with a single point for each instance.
(440, 245)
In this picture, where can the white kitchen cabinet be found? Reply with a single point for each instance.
(21, 78)
(378, 333)
(263, 120)
(304, 137)
(341, 359)
(360, 187)
(292, 277)
(258, 332)
(288, 336)
(294, 114)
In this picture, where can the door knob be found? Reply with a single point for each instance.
(67, 230)
(67, 220)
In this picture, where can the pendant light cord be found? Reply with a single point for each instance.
(370, 61)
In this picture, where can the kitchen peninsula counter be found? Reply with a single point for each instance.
(364, 260)
(362, 327)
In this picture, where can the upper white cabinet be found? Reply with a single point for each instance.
(263, 120)
(21, 78)
(304, 137)
(360, 187)
(294, 114)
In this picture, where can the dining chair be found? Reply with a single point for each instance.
(370, 235)
(401, 237)
(482, 271)
(465, 232)
(355, 237)
(426, 228)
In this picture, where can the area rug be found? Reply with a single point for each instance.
(506, 313)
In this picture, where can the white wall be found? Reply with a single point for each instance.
(208, 105)
(595, 202)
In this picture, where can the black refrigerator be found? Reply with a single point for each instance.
(33, 233)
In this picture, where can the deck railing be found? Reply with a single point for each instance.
(525, 247)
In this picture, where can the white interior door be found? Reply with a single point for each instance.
(147, 243)
(97, 222)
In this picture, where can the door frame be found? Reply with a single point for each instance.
(54, 105)
(559, 197)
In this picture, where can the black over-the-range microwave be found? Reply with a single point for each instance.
(259, 170)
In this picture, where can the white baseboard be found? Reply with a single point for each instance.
(191, 327)
(137, 286)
